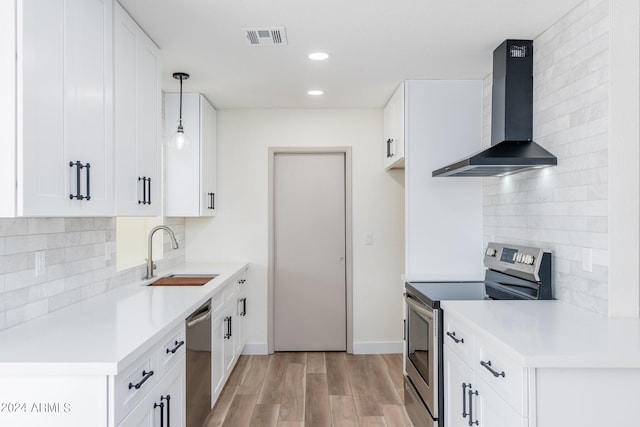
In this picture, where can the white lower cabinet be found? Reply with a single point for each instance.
(483, 387)
(164, 405)
(152, 388)
(470, 401)
(229, 332)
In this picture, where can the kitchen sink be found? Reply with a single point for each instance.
(184, 280)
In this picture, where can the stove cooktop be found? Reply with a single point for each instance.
(431, 293)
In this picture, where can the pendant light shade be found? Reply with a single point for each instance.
(180, 140)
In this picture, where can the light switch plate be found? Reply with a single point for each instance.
(368, 238)
(41, 267)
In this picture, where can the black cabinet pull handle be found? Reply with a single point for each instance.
(230, 320)
(452, 335)
(388, 147)
(145, 376)
(88, 166)
(168, 399)
(464, 399)
(490, 369)
(149, 191)
(161, 406)
(227, 321)
(212, 200)
(144, 190)
(471, 394)
(79, 166)
(244, 307)
(177, 346)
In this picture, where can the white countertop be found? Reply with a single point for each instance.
(103, 334)
(553, 334)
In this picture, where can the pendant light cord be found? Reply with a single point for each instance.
(180, 101)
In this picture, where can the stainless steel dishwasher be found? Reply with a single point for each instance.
(198, 398)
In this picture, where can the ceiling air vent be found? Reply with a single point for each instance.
(265, 36)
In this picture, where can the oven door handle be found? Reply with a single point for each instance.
(419, 307)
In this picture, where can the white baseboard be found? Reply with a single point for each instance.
(391, 347)
(256, 348)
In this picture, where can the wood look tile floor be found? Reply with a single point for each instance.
(313, 389)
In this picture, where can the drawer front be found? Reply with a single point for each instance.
(458, 336)
(502, 374)
(171, 347)
(138, 374)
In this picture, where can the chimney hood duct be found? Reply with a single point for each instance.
(512, 149)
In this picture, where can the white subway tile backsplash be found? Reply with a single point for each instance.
(14, 227)
(26, 312)
(75, 266)
(21, 244)
(45, 225)
(563, 209)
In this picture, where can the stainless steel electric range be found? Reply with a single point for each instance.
(512, 272)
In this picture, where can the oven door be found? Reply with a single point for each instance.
(422, 351)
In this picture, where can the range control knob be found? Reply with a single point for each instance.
(531, 260)
(491, 252)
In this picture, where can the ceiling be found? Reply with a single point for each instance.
(374, 45)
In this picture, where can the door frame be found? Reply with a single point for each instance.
(348, 236)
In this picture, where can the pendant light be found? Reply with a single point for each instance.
(180, 140)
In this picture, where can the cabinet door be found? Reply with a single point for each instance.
(148, 129)
(65, 107)
(240, 337)
(137, 114)
(141, 415)
(208, 119)
(172, 395)
(458, 382)
(218, 342)
(182, 167)
(229, 346)
(489, 409)
(394, 130)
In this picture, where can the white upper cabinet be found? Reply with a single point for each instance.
(63, 146)
(137, 119)
(190, 173)
(394, 120)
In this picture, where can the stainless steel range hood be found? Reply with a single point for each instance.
(512, 149)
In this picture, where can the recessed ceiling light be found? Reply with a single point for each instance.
(318, 56)
(315, 92)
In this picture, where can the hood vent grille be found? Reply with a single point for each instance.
(265, 36)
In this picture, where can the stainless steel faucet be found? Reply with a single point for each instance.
(174, 243)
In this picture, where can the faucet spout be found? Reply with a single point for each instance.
(174, 244)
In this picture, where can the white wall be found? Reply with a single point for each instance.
(239, 231)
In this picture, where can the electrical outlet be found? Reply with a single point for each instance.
(41, 267)
(587, 259)
(107, 251)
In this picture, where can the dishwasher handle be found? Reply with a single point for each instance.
(199, 317)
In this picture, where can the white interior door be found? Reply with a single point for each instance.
(309, 252)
